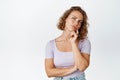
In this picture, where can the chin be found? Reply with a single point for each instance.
(72, 30)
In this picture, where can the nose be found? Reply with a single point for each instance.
(76, 23)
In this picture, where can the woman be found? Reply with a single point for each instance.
(68, 55)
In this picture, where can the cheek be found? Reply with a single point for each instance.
(67, 23)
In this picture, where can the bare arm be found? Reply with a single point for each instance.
(81, 59)
(55, 72)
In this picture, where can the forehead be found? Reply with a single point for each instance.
(76, 14)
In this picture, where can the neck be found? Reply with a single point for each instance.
(65, 35)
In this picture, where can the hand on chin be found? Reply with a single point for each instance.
(73, 36)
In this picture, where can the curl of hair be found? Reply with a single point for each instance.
(83, 31)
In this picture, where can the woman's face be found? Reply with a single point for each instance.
(73, 21)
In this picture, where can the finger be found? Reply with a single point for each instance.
(77, 32)
(73, 34)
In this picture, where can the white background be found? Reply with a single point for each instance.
(27, 25)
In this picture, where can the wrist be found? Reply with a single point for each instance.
(74, 68)
(74, 45)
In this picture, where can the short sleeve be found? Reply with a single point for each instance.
(85, 46)
(49, 50)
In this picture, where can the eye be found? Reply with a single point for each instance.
(80, 22)
(73, 18)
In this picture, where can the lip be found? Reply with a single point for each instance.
(74, 28)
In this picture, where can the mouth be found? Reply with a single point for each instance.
(74, 28)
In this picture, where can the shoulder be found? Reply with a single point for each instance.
(50, 42)
(86, 40)
(85, 46)
(83, 42)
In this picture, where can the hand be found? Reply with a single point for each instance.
(74, 68)
(73, 37)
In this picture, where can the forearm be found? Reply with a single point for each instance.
(80, 61)
(57, 72)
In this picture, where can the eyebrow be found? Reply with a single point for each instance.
(76, 17)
